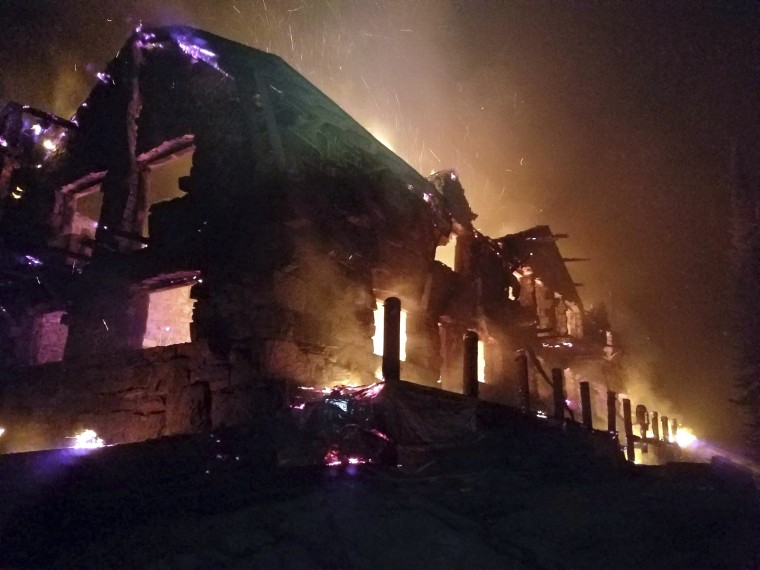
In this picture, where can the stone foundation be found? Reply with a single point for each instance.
(143, 394)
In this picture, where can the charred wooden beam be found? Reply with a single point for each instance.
(586, 405)
(612, 411)
(629, 439)
(656, 426)
(392, 340)
(665, 428)
(84, 185)
(523, 380)
(470, 364)
(642, 418)
(167, 151)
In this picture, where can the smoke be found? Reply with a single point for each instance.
(609, 122)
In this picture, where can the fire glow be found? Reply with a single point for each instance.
(481, 361)
(377, 338)
(685, 437)
(87, 439)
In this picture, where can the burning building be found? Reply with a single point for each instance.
(210, 232)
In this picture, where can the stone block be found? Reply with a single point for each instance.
(233, 406)
(122, 426)
(188, 410)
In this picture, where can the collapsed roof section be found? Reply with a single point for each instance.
(537, 248)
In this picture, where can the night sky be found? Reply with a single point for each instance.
(611, 121)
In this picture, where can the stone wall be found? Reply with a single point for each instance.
(137, 395)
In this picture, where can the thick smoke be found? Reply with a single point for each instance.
(611, 122)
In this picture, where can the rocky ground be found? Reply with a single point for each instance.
(219, 501)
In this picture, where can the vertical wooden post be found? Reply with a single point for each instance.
(630, 451)
(656, 426)
(523, 380)
(470, 364)
(665, 431)
(611, 412)
(586, 405)
(558, 388)
(673, 429)
(392, 340)
(642, 418)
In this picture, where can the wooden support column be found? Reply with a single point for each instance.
(611, 411)
(470, 364)
(629, 442)
(558, 389)
(392, 340)
(642, 418)
(523, 380)
(656, 426)
(674, 429)
(586, 405)
(665, 430)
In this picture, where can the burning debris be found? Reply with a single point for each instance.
(346, 421)
(87, 439)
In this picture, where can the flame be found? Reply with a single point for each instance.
(685, 437)
(87, 439)
(377, 338)
(2, 431)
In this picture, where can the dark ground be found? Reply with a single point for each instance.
(218, 501)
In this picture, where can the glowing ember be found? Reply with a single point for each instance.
(379, 434)
(332, 457)
(370, 391)
(685, 437)
(87, 439)
(103, 77)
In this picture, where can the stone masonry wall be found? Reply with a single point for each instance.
(144, 394)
